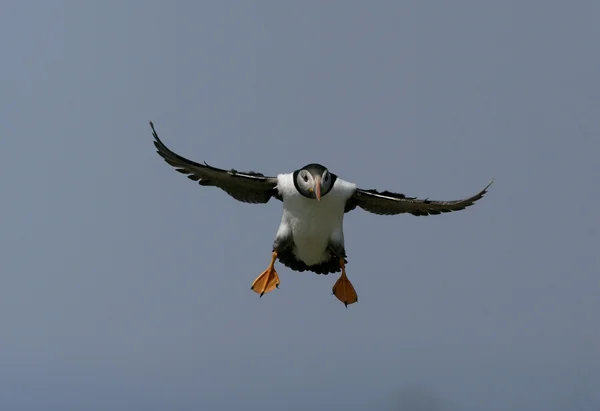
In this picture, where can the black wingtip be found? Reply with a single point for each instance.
(483, 192)
(154, 133)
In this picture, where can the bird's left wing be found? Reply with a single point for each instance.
(247, 187)
(388, 203)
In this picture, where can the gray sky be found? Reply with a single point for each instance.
(126, 286)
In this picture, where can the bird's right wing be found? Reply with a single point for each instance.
(247, 187)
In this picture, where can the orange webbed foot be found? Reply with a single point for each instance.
(343, 288)
(268, 280)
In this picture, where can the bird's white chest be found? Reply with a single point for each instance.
(311, 220)
(313, 224)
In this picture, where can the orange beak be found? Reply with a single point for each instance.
(318, 188)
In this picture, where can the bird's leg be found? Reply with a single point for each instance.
(343, 289)
(268, 280)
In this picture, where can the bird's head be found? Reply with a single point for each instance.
(314, 181)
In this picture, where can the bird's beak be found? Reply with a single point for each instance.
(318, 188)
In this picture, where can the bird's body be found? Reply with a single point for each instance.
(310, 236)
(312, 226)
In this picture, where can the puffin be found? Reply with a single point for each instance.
(310, 236)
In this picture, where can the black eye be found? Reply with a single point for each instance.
(305, 178)
(326, 177)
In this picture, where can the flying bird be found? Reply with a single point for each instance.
(310, 236)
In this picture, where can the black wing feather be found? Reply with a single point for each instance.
(247, 187)
(389, 203)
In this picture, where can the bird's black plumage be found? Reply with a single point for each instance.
(389, 203)
(248, 187)
(285, 254)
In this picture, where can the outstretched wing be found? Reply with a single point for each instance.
(248, 187)
(388, 203)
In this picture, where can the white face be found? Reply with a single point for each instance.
(312, 186)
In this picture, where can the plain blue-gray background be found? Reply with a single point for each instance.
(125, 286)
